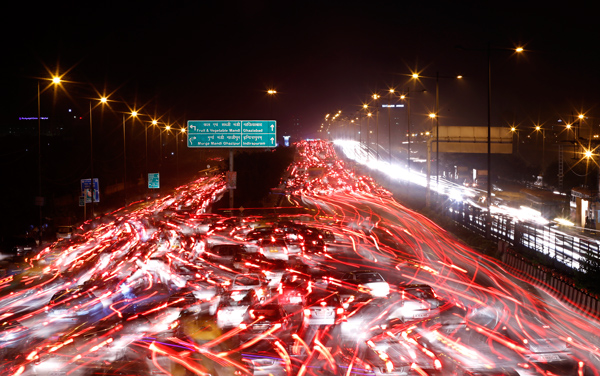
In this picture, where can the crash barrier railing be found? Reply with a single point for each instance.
(575, 252)
(564, 251)
(552, 282)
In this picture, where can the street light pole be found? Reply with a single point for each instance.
(91, 162)
(408, 129)
(368, 136)
(489, 125)
(437, 136)
(124, 162)
(39, 198)
(489, 145)
(146, 174)
(376, 98)
(390, 125)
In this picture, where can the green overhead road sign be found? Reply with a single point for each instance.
(232, 133)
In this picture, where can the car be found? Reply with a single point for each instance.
(269, 320)
(223, 254)
(246, 261)
(74, 305)
(18, 246)
(415, 302)
(224, 226)
(274, 248)
(323, 307)
(314, 240)
(321, 279)
(264, 363)
(232, 306)
(293, 288)
(365, 320)
(138, 297)
(541, 345)
(64, 232)
(259, 233)
(367, 282)
(87, 348)
(482, 371)
(181, 300)
(387, 354)
(13, 337)
(256, 282)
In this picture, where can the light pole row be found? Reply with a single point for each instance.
(103, 100)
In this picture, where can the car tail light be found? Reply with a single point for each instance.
(251, 313)
(340, 311)
(285, 250)
(307, 312)
(389, 366)
(243, 326)
(437, 364)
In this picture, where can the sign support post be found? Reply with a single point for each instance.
(231, 173)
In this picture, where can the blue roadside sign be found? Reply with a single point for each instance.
(86, 190)
(154, 180)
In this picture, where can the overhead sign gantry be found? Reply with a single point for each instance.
(232, 133)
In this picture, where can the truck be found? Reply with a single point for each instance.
(480, 178)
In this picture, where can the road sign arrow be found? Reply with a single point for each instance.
(272, 127)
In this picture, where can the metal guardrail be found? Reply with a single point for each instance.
(570, 250)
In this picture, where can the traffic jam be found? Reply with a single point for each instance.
(338, 279)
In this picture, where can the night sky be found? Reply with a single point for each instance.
(206, 60)
(215, 60)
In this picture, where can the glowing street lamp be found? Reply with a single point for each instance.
(271, 93)
(514, 130)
